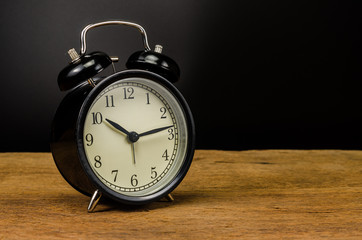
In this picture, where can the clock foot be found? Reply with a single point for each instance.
(169, 198)
(94, 201)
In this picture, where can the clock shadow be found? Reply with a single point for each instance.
(106, 205)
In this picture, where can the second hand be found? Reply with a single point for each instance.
(133, 153)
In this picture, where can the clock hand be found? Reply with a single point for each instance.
(154, 131)
(117, 126)
(133, 153)
(132, 136)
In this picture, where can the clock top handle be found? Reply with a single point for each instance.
(149, 60)
(83, 34)
(83, 67)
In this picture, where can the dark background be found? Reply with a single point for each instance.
(257, 74)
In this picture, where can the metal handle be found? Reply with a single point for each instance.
(83, 43)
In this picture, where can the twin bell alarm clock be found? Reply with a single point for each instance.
(128, 137)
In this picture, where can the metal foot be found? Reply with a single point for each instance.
(94, 201)
(169, 198)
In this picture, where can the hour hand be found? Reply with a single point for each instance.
(117, 126)
(154, 131)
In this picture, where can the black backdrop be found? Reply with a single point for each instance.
(257, 74)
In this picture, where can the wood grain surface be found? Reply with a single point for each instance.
(269, 194)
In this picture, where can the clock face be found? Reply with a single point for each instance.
(135, 136)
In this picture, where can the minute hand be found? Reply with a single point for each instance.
(154, 131)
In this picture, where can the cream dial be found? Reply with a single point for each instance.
(135, 136)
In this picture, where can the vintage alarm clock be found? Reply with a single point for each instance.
(129, 136)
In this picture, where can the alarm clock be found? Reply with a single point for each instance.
(128, 137)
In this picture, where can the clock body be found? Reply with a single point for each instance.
(131, 137)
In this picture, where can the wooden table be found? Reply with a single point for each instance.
(269, 194)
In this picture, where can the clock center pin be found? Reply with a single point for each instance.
(133, 137)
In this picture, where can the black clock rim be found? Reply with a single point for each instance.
(135, 200)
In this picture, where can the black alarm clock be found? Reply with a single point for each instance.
(130, 136)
